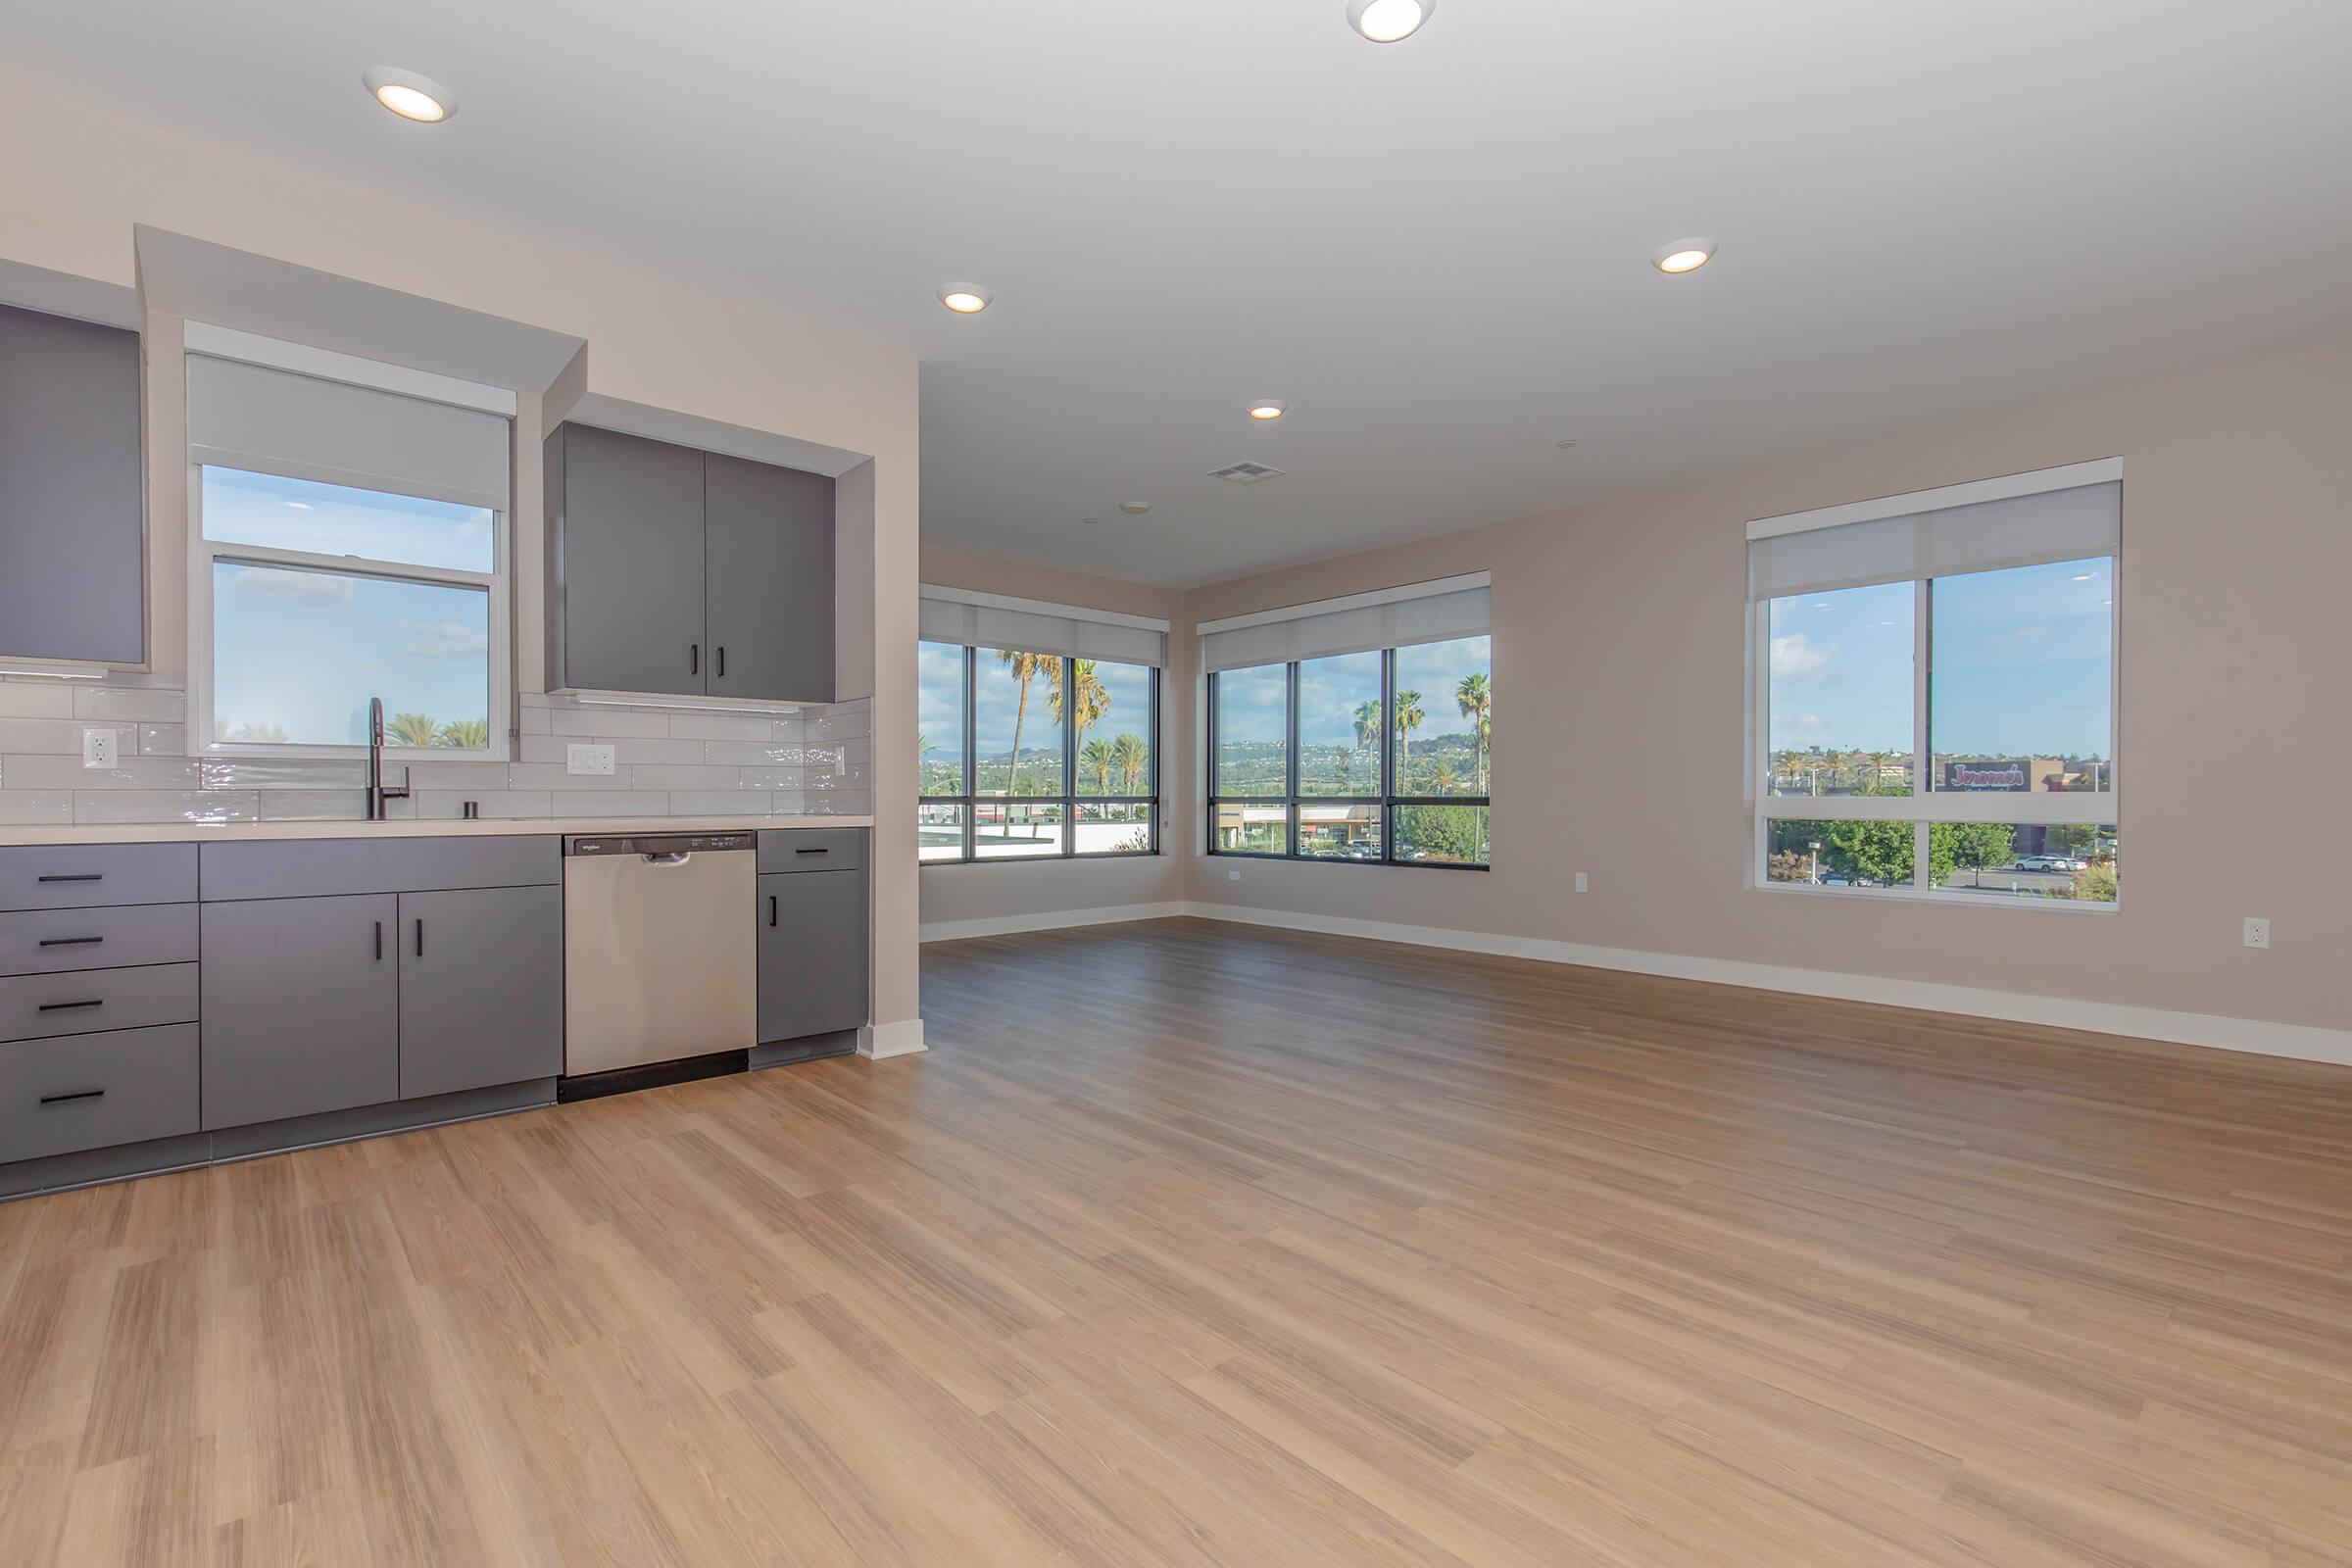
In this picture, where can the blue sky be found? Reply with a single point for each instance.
(939, 704)
(2021, 661)
(303, 651)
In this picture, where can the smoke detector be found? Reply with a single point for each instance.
(1247, 473)
(1135, 509)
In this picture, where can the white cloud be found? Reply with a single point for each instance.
(1795, 658)
(315, 589)
(447, 639)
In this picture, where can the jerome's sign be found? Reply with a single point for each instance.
(1986, 777)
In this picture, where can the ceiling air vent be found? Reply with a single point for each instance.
(1247, 473)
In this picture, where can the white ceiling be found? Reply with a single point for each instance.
(1436, 251)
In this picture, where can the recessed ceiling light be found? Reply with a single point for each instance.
(1092, 522)
(1266, 408)
(1683, 256)
(1565, 442)
(1135, 509)
(1389, 20)
(966, 299)
(410, 95)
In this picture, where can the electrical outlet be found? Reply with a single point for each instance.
(1233, 876)
(2258, 930)
(99, 747)
(596, 760)
(1583, 884)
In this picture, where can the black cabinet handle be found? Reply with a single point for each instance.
(694, 659)
(78, 1093)
(379, 940)
(722, 662)
(813, 851)
(70, 942)
(421, 936)
(69, 1007)
(78, 876)
(771, 908)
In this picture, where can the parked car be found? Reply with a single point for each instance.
(2046, 862)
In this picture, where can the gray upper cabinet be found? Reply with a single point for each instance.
(482, 988)
(769, 540)
(72, 491)
(626, 565)
(678, 571)
(301, 1006)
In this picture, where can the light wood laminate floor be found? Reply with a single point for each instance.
(1195, 1244)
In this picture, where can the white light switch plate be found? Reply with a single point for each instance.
(1582, 885)
(99, 746)
(588, 760)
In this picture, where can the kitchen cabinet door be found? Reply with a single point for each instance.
(812, 954)
(630, 569)
(769, 534)
(72, 492)
(300, 1006)
(482, 988)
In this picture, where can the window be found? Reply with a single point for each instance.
(1062, 751)
(1380, 758)
(312, 592)
(1946, 730)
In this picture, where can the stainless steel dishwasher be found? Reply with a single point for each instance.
(659, 960)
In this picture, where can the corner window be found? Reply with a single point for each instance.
(1061, 752)
(1381, 757)
(1949, 734)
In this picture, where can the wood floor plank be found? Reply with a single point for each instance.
(1193, 1246)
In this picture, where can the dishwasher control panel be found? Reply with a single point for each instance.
(658, 843)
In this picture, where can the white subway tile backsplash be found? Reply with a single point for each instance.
(671, 776)
(59, 736)
(163, 740)
(476, 776)
(608, 721)
(616, 802)
(288, 773)
(751, 754)
(772, 778)
(121, 702)
(719, 803)
(529, 720)
(788, 803)
(837, 723)
(35, 808)
(26, 700)
(723, 726)
(440, 804)
(316, 806)
(166, 805)
(132, 771)
(843, 803)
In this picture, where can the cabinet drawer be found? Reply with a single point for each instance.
(123, 1086)
(90, 1001)
(296, 868)
(82, 876)
(811, 849)
(46, 941)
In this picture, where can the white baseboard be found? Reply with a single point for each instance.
(1050, 920)
(904, 1038)
(2303, 1042)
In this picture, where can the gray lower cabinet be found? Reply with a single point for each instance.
(482, 988)
(88, 1091)
(300, 1006)
(72, 491)
(812, 954)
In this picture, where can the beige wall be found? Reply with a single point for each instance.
(74, 179)
(1619, 690)
(955, 894)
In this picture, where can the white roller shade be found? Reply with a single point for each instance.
(2074, 523)
(1395, 617)
(1033, 626)
(244, 415)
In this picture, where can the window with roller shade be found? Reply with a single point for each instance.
(1934, 695)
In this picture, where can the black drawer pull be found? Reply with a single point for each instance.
(70, 942)
(69, 1007)
(78, 876)
(379, 940)
(722, 664)
(694, 659)
(420, 937)
(813, 851)
(771, 908)
(78, 1093)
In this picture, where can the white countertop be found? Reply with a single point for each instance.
(406, 828)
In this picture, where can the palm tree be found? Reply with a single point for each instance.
(1089, 700)
(1409, 719)
(1097, 761)
(1475, 696)
(1444, 780)
(1024, 668)
(464, 735)
(1133, 759)
(413, 729)
(1368, 733)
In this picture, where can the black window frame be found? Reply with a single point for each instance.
(1070, 800)
(1388, 799)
